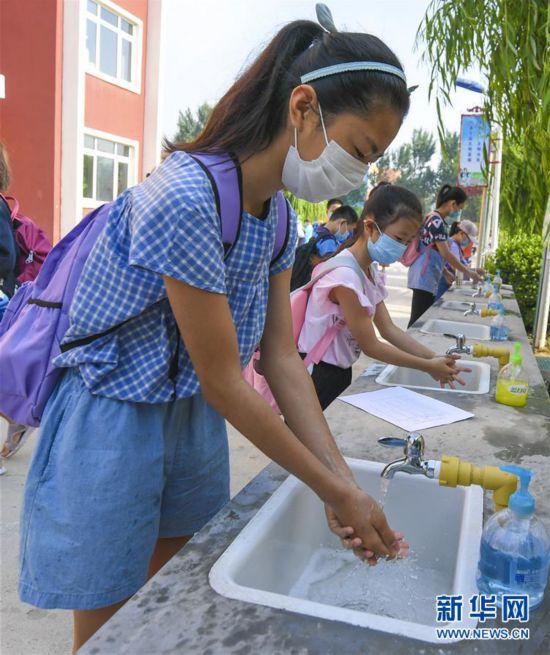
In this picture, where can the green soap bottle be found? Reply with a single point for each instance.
(512, 382)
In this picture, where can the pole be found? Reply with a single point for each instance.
(495, 192)
(543, 299)
(480, 244)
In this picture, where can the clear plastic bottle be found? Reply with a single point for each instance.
(487, 287)
(499, 329)
(495, 300)
(515, 548)
(497, 281)
(512, 382)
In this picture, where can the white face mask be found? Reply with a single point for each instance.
(334, 173)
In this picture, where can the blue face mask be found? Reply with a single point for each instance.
(455, 216)
(385, 250)
(341, 237)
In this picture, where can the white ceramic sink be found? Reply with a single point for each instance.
(462, 305)
(477, 381)
(469, 330)
(287, 558)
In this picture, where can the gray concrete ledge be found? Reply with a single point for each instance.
(178, 611)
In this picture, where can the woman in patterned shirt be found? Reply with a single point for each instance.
(424, 276)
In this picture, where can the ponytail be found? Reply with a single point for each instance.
(448, 192)
(254, 110)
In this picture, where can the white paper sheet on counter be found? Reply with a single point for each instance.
(407, 409)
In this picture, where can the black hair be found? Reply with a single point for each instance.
(454, 228)
(347, 212)
(448, 192)
(374, 189)
(254, 111)
(4, 169)
(334, 201)
(388, 205)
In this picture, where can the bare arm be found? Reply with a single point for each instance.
(396, 336)
(207, 329)
(361, 327)
(454, 262)
(290, 382)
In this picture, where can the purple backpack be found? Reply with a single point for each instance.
(37, 316)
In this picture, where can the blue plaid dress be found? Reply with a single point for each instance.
(167, 225)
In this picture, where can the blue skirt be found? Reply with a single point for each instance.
(108, 478)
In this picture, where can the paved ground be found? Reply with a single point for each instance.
(25, 630)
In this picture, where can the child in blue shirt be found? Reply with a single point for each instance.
(132, 459)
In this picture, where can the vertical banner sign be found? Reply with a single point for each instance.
(474, 140)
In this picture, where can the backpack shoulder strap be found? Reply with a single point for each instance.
(224, 174)
(282, 231)
(334, 263)
(15, 210)
(316, 353)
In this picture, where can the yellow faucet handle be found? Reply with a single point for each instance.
(500, 352)
(455, 472)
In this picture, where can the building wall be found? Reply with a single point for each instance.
(30, 114)
(102, 97)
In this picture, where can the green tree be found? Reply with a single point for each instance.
(414, 161)
(410, 166)
(509, 41)
(314, 211)
(356, 198)
(447, 171)
(190, 125)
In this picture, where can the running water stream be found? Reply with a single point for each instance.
(401, 588)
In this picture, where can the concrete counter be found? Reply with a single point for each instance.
(178, 611)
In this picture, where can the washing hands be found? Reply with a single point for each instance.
(362, 527)
(444, 369)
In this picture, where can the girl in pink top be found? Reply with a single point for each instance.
(390, 219)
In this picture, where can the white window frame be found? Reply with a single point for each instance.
(133, 161)
(136, 40)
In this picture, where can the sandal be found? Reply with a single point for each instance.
(17, 435)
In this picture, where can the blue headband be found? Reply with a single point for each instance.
(353, 66)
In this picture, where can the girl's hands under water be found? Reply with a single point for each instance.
(444, 369)
(362, 527)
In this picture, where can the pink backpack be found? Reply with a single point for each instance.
(298, 305)
(33, 244)
(413, 252)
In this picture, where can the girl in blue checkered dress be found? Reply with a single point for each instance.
(132, 461)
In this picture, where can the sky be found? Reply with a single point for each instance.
(207, 42)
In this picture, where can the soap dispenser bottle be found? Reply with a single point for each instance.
(487, 287)
(515, 548)
(495, 300)
(497, 281)
(499, 329)
(512, 382)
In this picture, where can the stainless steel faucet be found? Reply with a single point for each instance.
(461, 348)
(478, 292)
(413, 462)
(472, 310)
